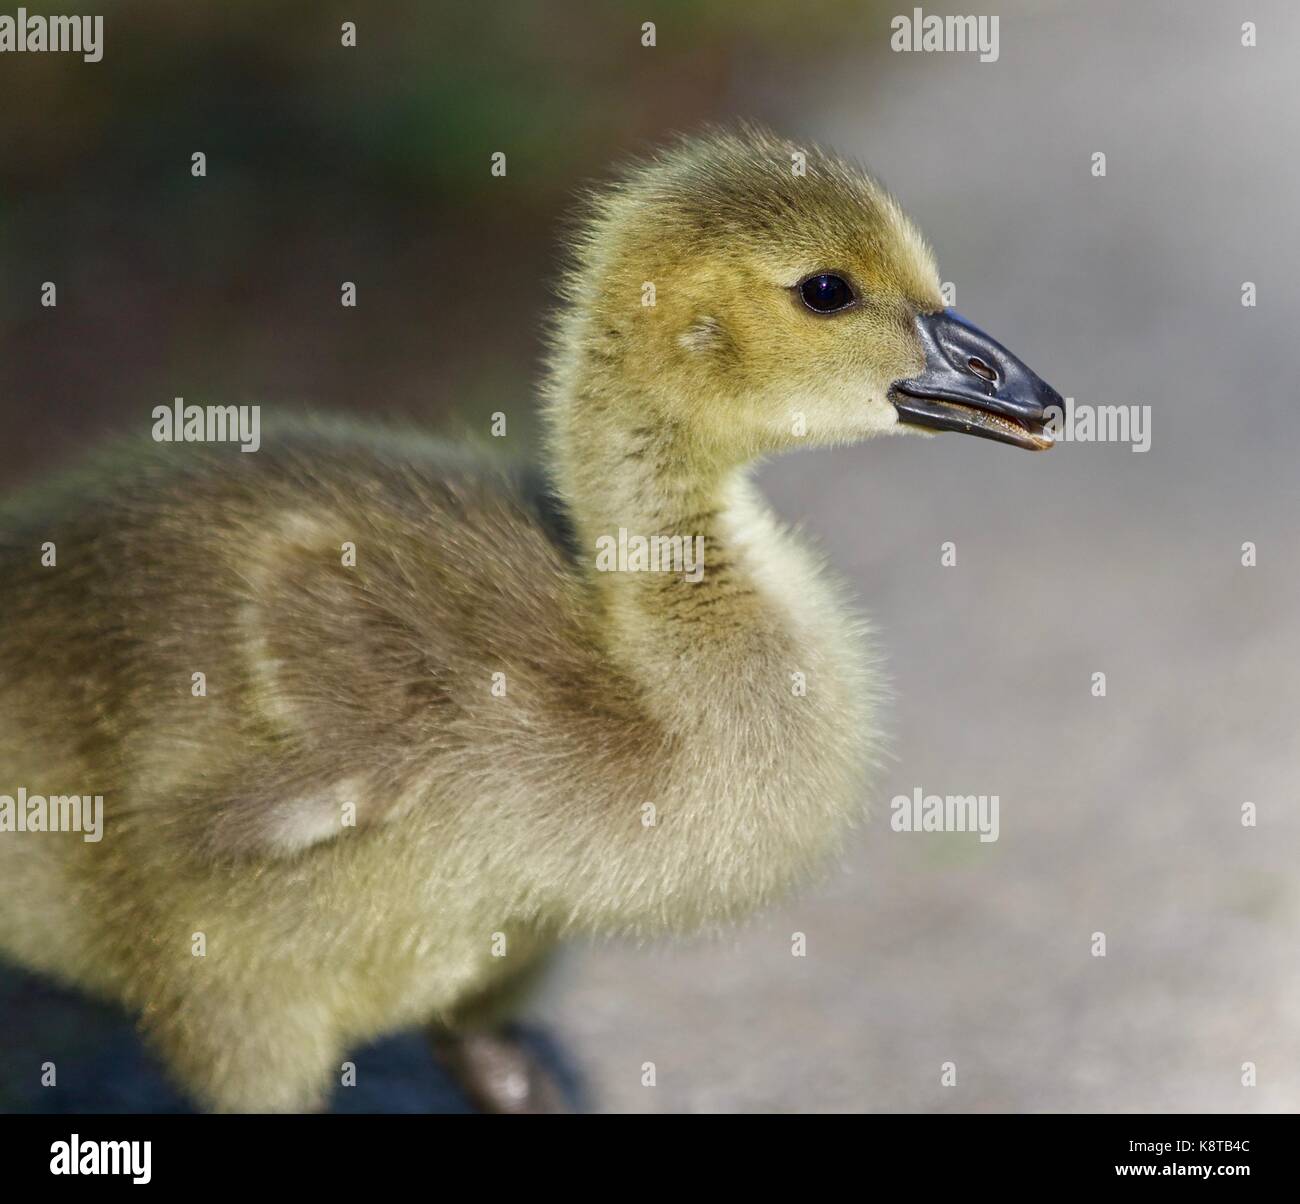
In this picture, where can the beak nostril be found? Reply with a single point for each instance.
(980, 368)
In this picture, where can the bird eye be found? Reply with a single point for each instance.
(825, 294)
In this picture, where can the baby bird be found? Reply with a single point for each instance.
(377, 720)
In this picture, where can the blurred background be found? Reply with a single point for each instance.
(1119, 815)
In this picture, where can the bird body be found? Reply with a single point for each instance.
(519, 813)
(430, 738)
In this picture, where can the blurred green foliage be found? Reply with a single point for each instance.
(327, 163)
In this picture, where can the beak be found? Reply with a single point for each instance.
(972, 383)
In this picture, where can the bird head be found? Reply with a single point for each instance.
(754, 294)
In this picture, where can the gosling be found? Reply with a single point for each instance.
(377, 720)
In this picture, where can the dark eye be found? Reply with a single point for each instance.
(824, 293)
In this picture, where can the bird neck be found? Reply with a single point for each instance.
(643, 484)
(688, 570)
(739, 704)
(749, 700)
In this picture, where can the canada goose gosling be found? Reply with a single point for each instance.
(412, 771)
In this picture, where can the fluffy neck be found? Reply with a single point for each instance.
(751, 683)
(650, 482)
(722, 649)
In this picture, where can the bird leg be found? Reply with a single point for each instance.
(498, 1072)
(489, 1055)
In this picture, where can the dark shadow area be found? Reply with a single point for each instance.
(102, 1066)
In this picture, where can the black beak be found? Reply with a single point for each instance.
(972, 383)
